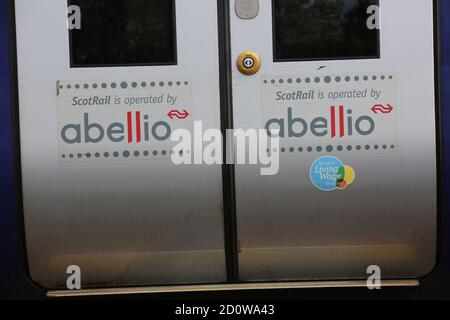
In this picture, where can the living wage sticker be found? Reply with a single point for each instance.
(328, 173)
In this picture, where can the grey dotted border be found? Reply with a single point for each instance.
(332, 148)
(125, 85)
(328, 79)
(126, 154)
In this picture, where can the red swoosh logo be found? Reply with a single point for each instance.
(379, 108)
(178, 114)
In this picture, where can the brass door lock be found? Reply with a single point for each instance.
(248, 62)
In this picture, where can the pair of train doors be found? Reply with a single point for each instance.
(347, 87)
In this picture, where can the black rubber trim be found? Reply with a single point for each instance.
(440, 240)
(226, 116)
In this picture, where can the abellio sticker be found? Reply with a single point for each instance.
(121, 119)
(324, 113)
(328, 173)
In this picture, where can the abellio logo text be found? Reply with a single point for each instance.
(339, 123)
(135, 128)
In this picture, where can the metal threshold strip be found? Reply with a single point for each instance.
(228, 287)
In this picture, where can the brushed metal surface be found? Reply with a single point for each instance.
(125, 222)
(290, 230)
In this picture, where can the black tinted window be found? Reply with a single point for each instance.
(323, 29)
(124, 32)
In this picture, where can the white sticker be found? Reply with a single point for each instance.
(105, 120)
(336, 112)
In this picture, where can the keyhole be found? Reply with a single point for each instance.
(248, 62)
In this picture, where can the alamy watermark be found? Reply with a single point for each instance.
(374, 279)
(242, 147)
(74, 17)
(73, 282)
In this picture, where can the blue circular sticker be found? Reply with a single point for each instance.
(324, 173)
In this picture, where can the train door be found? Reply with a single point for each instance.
(349, 85)
(97, 106)
(347, 88)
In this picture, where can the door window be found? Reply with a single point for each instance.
(323, 30)
(124, 32)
